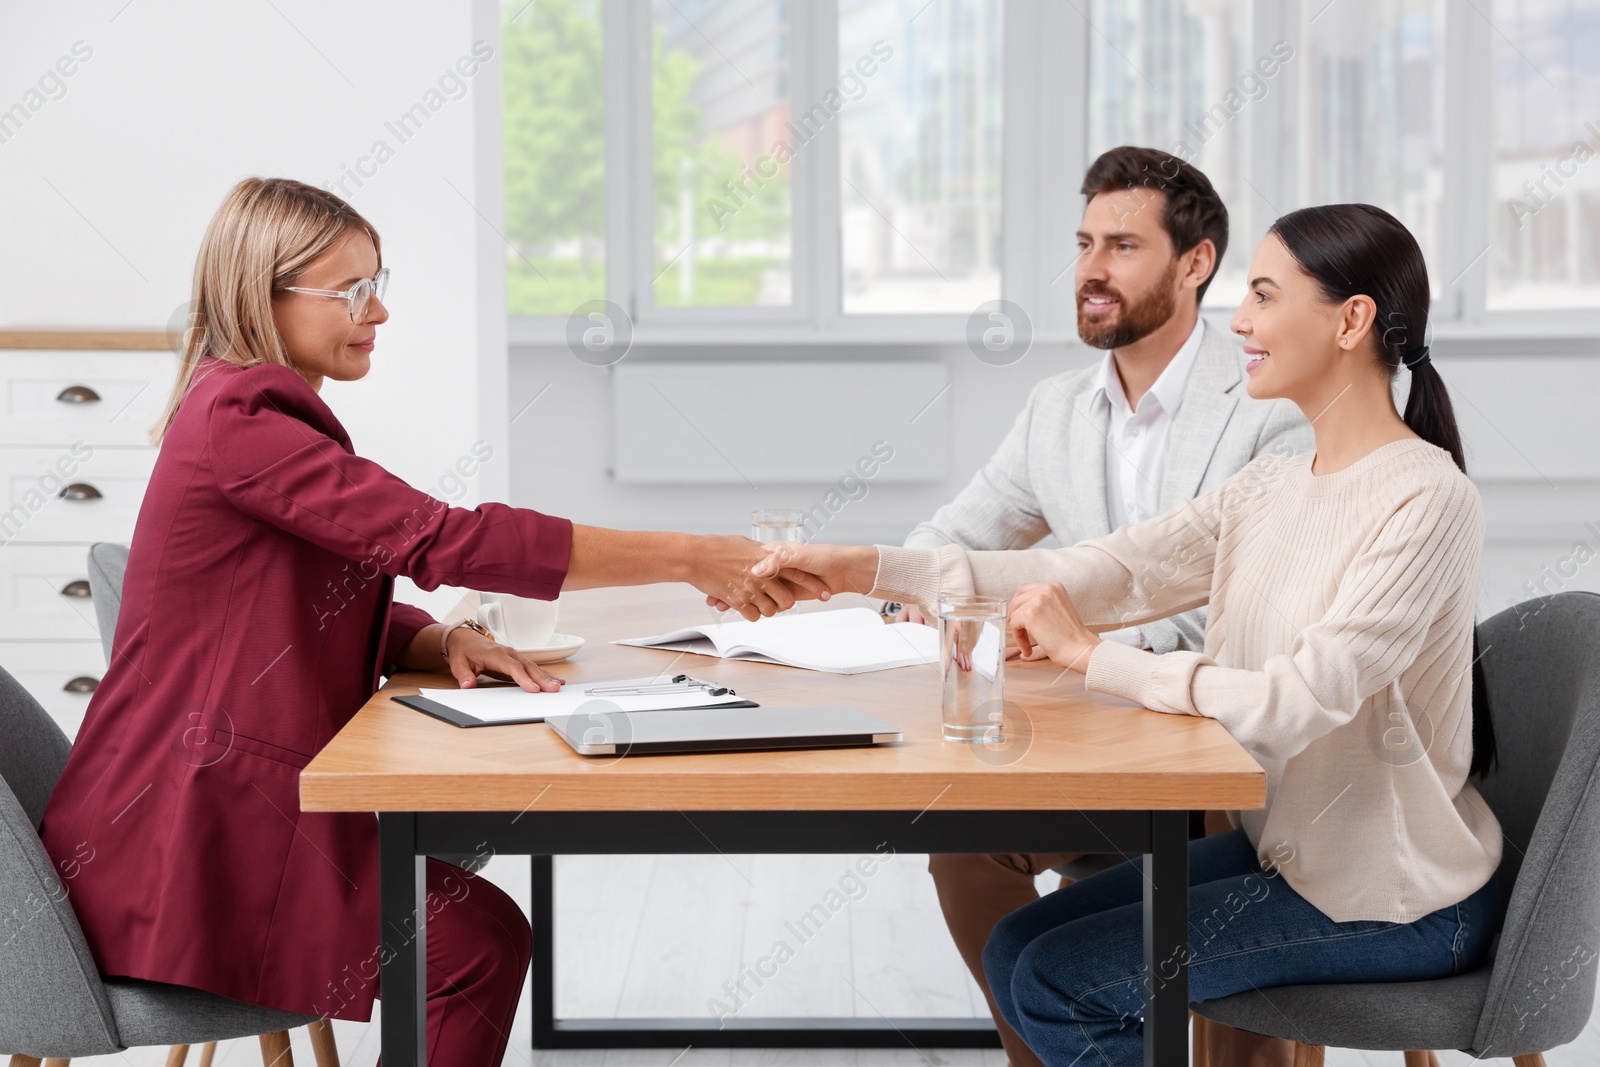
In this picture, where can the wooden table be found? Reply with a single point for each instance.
(1084, 772)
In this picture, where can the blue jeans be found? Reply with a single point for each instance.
(1068, 970)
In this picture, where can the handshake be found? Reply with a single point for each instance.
(1042, 620)
(757, 580)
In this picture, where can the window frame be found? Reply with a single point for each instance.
(635, 29)
(1040, 142)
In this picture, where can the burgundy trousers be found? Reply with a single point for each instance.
(479, 948)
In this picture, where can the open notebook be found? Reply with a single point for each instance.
(844, 641)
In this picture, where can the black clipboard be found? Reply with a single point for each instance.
(464, 720)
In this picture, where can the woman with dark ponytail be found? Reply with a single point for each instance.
(1339, 651)
(1320, 240)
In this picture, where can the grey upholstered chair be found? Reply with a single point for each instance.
(1541, 660)
(53, 1001)
(108, 562)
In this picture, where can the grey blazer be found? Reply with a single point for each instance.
(1049, 474)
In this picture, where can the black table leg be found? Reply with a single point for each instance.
(405, 838)
(402, 922)
(1166, 941)
(543, 906)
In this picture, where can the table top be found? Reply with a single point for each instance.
(1068, 748)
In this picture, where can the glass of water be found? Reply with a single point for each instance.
(972, 667)
(769, 525)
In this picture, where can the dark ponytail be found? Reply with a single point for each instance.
(1429, 412)
(1360, 250)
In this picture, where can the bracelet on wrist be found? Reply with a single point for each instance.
(471, 624)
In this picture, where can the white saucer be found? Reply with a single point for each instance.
(559, 648)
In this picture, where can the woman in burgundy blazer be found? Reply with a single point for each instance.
(257, 618)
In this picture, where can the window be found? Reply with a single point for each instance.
(1178, 77)
(1371, 114)
(723, 199)
(919, 167)
(876, 170)
(1545, 215)
(554, 155)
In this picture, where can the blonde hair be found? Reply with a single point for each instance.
(265, 234)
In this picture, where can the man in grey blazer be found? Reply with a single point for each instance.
(1163, 417)
(1049, 475)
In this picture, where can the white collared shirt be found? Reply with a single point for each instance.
(1136, 444)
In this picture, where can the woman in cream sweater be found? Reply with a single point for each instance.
(1339, 652)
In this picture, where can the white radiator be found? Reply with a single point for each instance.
(760, 423)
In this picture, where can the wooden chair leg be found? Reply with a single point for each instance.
(1308, 1055)
(1201, 1051)
(57, 1063)
(207, 1050)
(1421, 1058)
(1532, 1059)
(275, 1049)
(19, 1060)
(177, 1055)
(323, 1047)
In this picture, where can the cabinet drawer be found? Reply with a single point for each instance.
(60, 675)
(41, 598)
(76, 493)
(112, 398)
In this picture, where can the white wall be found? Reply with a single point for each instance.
(562, 444)
(109, 188)
(109, 185)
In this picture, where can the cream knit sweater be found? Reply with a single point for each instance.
(1337, 652)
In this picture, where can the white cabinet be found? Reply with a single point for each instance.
(44, 596)
(75, 459)
(107, 398)
(80, 492)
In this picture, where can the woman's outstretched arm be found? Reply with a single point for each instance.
(271, 462)
(717, 566)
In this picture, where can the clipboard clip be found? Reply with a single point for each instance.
(680, 683)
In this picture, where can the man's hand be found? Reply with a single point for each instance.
(1044, 622)
(470, 654)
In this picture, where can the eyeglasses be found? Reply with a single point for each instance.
(359, 295)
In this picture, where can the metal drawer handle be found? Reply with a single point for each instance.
(79, 588)
(80, 491)
(81, 684)
(78, 394)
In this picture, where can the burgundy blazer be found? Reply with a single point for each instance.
(256, 620)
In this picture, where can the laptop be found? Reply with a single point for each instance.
(648, 733)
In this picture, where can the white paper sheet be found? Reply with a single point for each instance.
(506, 702)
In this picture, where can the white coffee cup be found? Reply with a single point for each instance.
(518, 621)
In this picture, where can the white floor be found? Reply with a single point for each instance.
(660, 936)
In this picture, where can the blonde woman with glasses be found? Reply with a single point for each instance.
(257, 618)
